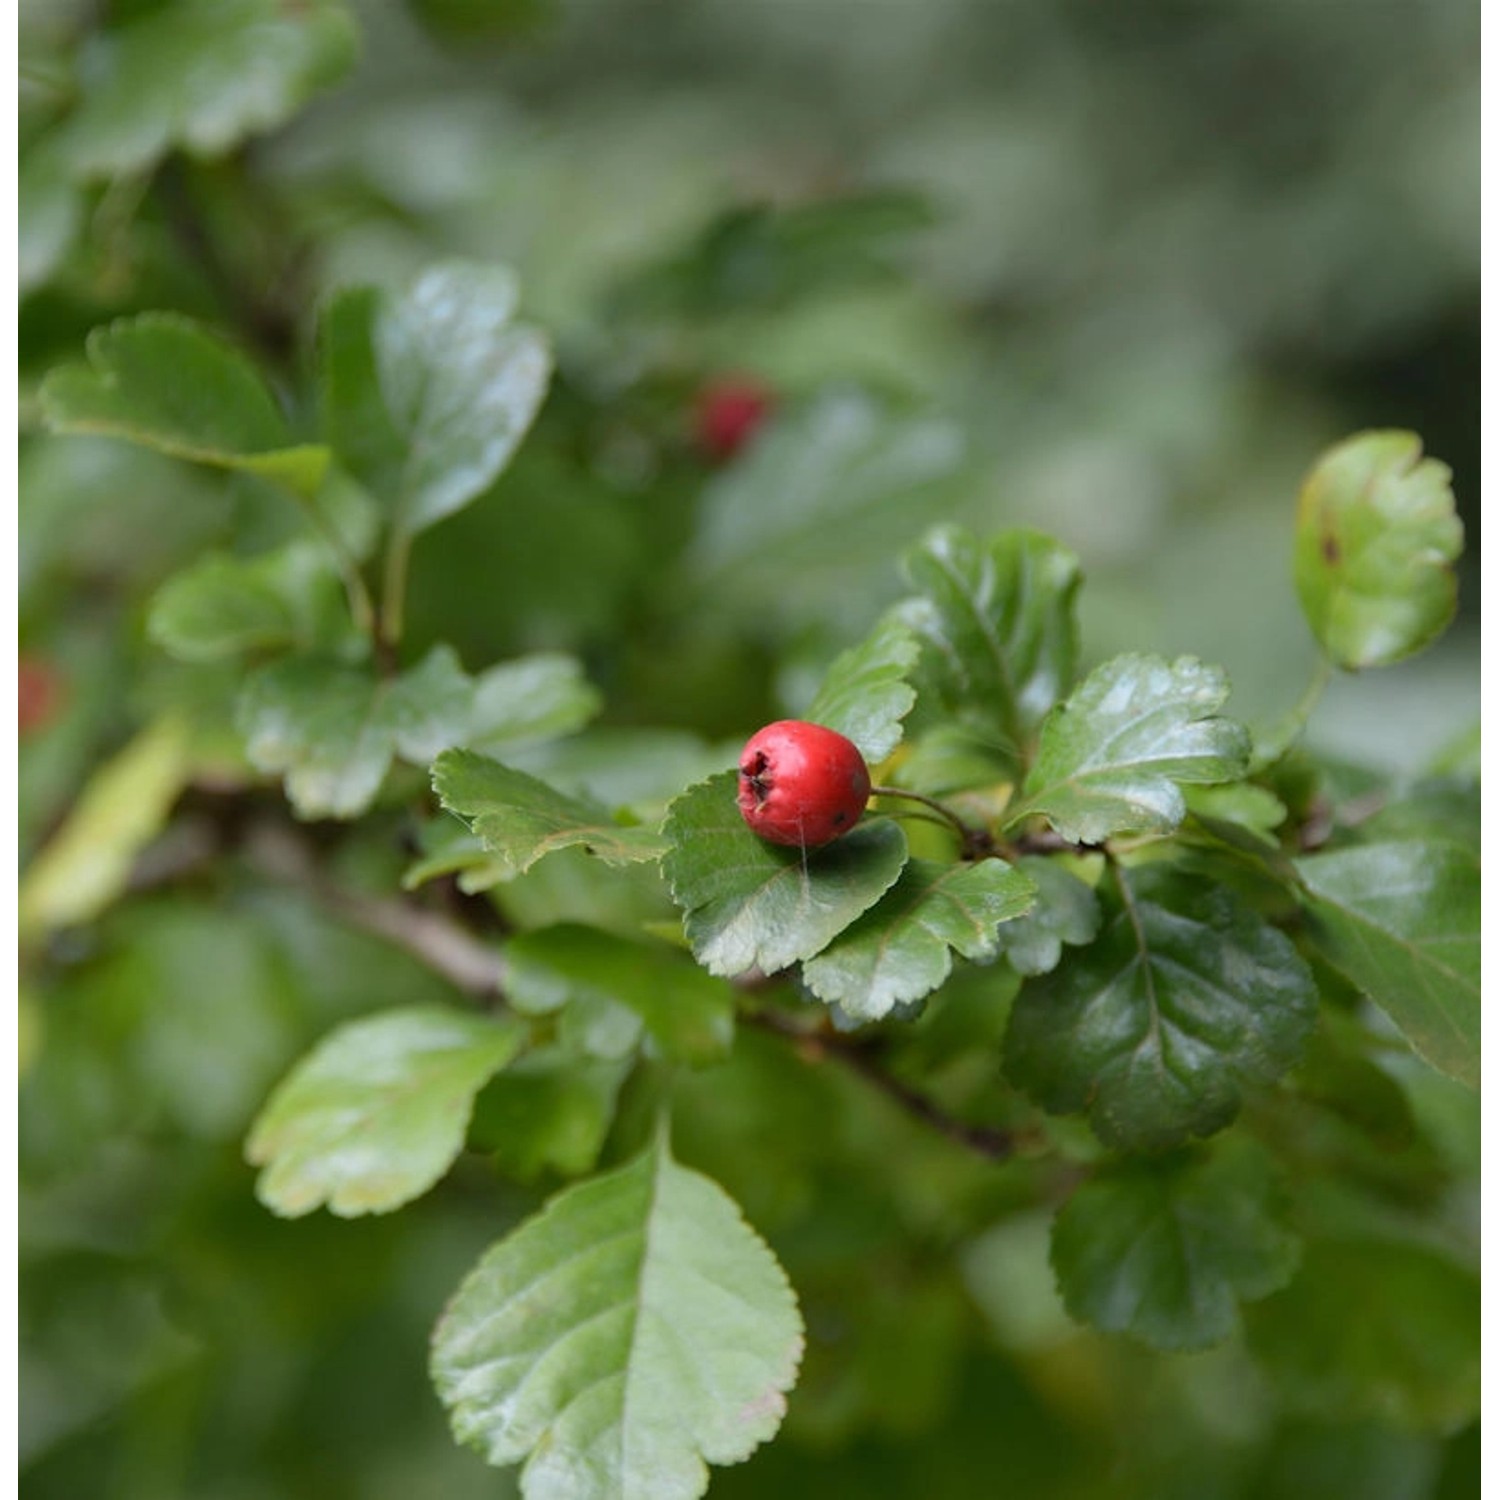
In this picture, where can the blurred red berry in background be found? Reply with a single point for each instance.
(730, 411)
(41, 693)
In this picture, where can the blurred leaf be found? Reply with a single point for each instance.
(1111, 757)
(1158, 1027)
(688, 1014)
(530, 698)
(630, 767)
(1242, 805)
(550, 1110)
(1337, 1075)
(223, 606)
(49, 213)
(1377, 535)
(634, 1331)
(1445, 808)
(332, 729)
(750, 904)
(426, 395)
(997, 621)
(865, 695)
(899, 950)
(202, 75)
(518, 819)
(87, 862)
(1166, 1249)
(164, 382)
(779, 524)
(1401, 919)
(1065, 910)
(376, 1113)
(1374, 1329)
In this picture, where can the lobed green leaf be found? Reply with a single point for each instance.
(865, 694)
(1155, 1030)
(633, 1332)
(997, 622)
(1065, 910)
(1402, 920)
(376, 1113)
(1166, 1249)
(1111, 757)
(901, 949)
(1377, 535)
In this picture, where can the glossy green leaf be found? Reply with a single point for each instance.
(332, 730)
(1156, 1030)
(518, 819)
(202, 75)
(1402, 920)
(223, 606)
(1374, 1329)
(87, 862)
(549, 1111)
(865, 694)
(530, 698)
(164, 382)
(1377, 535)
(688, 1014)
(1166, 1249)
(996, 619)
(1065, 910)
(902, 948)
(749, 904)
(376, 1113)
(1111, 757)
(426, 394)
(633, 1332)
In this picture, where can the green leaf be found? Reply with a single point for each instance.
(1401, 919)
(332, 730)
(1370, 1329)
(865, 695)
(1243, 806)
(531, 698)
(634, 1331)
(376, 1113)
(49, 214)
(1112, 756)
(519, 819)
(997, 621)
(224, 606)
(1377, 534)
(202, 75)
(549, 1111)
(164, 382)
(426, 395)
(688, 1014)
(899, 950)
(1157, 1029)
(87, 862)
(750, 904)
(1065, 910)
(1166, 1249)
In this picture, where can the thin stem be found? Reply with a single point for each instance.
(991, 1141)
(393, 591)
(976, 841)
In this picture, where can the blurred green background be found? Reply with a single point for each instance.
(1117, 271)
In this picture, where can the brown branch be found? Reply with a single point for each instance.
(433, 939)
(991, 1141)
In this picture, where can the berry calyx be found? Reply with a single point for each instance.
(730, 411)
(801, 784)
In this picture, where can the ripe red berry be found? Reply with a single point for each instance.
(41, 693)
(802, 784)
(730, 412)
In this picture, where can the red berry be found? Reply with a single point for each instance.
(41, 693)
(802, 784)
(730, 412)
